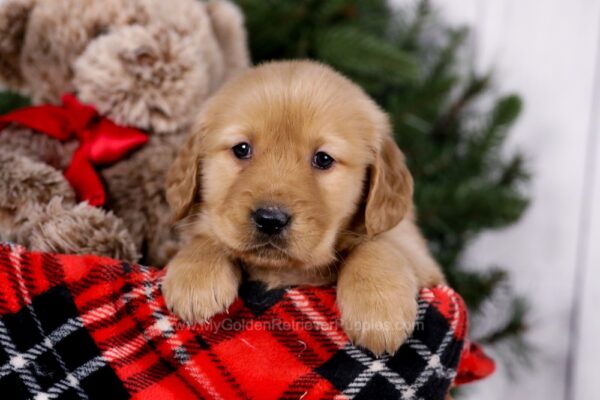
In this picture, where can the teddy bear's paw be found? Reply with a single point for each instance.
(82, 229)
(25, 182)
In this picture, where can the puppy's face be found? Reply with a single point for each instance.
(287, 159)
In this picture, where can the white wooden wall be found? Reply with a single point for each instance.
(548, 51)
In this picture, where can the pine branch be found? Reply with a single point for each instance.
(414, 32)
(477, 287)
(475, 87)
(347, 48)
(10, 101)
(514, 327)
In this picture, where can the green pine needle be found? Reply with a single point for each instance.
(10, 101)
(348, 47)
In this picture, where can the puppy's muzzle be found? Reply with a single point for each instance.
(270, 220)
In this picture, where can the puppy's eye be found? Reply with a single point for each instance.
(242, 150)
(322, 160)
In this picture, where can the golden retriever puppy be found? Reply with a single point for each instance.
(292, 175)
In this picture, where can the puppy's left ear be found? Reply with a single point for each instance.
(183, 179)
(390, 190)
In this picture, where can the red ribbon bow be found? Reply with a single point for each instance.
(101, 141)
(474, 364)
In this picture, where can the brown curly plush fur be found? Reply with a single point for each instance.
(143, 206)
(88, 229)
(24, 183)
(149, 64)
(37, 147)
(37, 209)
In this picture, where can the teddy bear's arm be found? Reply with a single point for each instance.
(14, 15)
(228, 25)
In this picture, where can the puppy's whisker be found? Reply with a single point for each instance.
(187, 221)
(184, 225)
(339, 258)
(351, 233)
(301, 236)
(277, 247)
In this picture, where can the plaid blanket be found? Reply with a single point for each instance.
(87, 327)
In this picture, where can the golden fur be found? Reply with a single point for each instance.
(352, 224)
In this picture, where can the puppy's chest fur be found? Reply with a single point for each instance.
(325, 275)
(284, 277)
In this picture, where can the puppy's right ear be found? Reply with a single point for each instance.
(391, 189)
(183, 179)
(14, 17)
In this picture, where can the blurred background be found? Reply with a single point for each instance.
(547, 52)
(495, 104)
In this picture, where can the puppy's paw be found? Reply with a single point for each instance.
(377, 322)
(197, 292)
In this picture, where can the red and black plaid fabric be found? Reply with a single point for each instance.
(87, 327)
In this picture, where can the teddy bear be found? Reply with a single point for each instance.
(144, 64)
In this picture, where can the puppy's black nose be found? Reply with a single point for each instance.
(270, 220)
